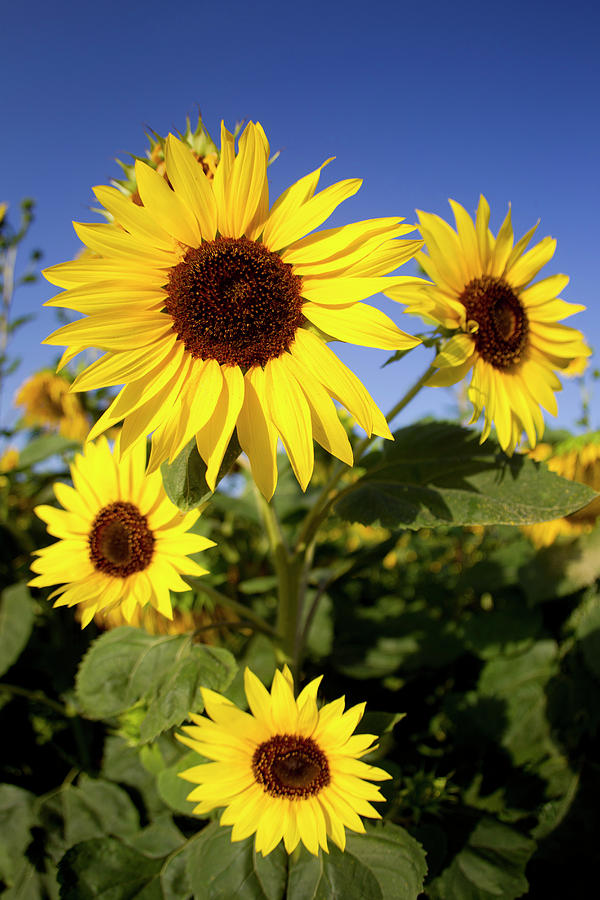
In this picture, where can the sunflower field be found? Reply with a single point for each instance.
(256, 640)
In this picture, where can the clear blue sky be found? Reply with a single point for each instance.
(424, 101)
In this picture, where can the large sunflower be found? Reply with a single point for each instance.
(577, 459)
(121, 540)
(211, 308)
(508, 331)
(285, 770)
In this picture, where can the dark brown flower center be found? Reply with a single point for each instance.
(290, 766)
(502, 330)
(120, 541)
(234, 301)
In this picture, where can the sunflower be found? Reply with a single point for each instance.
(210, 625)
(200, 143)
(577, 459)
(214, 311)
(121, 540)
(285, 770)
(508, 330)
(48, 403)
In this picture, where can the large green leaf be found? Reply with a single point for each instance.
(220, 870)
(163, 675)
(173, 789)
(16, 622)
(520, 681)
(386, 863)
(106, 868)
(16, 819)
(438, 473)
(588, 633)
(158, 839)
(121, 763)
(93, 808)
(489, 867)
(185, 478)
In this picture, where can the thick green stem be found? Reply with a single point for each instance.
(293, 568)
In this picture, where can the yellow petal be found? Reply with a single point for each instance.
(328, 431)
(360, 324)
(188, 178)
(290, 414)
(257, 434)
(308, 216)
(166, 206)
(213, 438)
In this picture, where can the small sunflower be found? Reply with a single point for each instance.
(199, 141)
(47, 402)
(121, 540)
(210, 625)
(9, 459)
(577, 459)
(214, 310)
(286, 770)
(508, 330)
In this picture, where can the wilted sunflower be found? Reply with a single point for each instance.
(47, 402)
(121, 540)
(211, 309)
(285, 770)
(577, 459)
(509, 334)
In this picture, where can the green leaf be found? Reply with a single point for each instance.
(16, 622)
(520, 681)
(43, 447)
(90, 809)
(158, 839)
(505, 630)
(438, 474)
(220, 870)
(386, 863)
(163, 674)
(106, 868)
(16, 819)
(185, 478)
(396, 637)
(173, 789)
(121, 763)
(174, 878)
(588, 633)
(491, 865)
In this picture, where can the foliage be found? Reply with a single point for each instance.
(458, 627)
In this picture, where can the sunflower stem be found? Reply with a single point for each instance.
(288, 569)
(305, 543)
(37, 697)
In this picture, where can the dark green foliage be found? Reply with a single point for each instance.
(477, 656)
(160, 675)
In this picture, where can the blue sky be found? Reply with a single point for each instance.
(423, 101)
